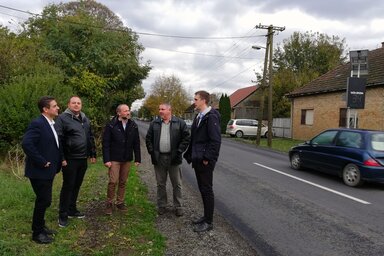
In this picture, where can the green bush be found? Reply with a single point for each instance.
(19, 98)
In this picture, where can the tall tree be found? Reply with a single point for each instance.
(100, 56)
(225, 111)
(300, 59)
(167, 89)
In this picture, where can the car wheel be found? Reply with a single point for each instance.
(266, 135)
(352, 176)
(239, 134)
(296, 161)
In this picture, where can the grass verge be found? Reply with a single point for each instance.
(278, 144)
(130, 233)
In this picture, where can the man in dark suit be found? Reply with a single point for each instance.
(203, 152)
(43, 160)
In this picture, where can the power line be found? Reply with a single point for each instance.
(153, 34)
(142, 33)
(222, 62)
(232, 48)
(200, 54)
(196, 37)
(234, 76)
(219, 63)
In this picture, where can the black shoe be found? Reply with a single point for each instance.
(48, 231)
(203, 227)
(199, 220)
(161, 210)
(179, 212)
(76, 214)
(63, 222)
(42, 238)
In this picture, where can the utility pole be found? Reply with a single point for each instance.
(271, 31)
(262, 87)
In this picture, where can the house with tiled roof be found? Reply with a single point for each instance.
(321, 104)
(245, 103)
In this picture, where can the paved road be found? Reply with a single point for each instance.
(285, 212)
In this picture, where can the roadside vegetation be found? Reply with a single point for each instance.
(131, 233)
(278, 144)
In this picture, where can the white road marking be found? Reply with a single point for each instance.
(314, 184)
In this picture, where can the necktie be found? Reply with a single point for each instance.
(200, 116)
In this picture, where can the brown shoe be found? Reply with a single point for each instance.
(108, 209)
(122, 207)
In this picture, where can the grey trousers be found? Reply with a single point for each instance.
(162, 169)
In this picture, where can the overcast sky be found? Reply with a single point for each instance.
(198, 63)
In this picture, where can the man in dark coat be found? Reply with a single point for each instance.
(43, 160)
(167, 138)
(120, 140)
(78, 144)
(203, 152)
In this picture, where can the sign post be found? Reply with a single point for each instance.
(356, 85)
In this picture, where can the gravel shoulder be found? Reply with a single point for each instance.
(180, 238)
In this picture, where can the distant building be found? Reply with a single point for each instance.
(245, 103)
(321, 104)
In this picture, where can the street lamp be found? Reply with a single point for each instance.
(258, 47)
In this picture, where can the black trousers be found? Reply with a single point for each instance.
(73, 175)
(204, 176)
(43, 192)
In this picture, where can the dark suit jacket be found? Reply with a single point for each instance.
(205, 140)
(40, 147)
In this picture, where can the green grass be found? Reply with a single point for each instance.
(131, 233)
(278, 144)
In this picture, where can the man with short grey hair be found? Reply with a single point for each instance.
(167, 138)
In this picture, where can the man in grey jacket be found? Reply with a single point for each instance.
(167, 138)
(78, 144)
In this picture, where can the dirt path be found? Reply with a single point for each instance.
(181, 240)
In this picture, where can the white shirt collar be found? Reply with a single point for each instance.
(51, 122)
(205, 111)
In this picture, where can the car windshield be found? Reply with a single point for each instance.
(377, 141)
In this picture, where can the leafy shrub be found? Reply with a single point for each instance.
(19, 98)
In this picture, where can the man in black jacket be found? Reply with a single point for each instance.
(120, 141)
(76, 137)
(43, 161)
(167, 138)
(203, 152)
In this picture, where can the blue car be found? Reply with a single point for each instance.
(353, 154)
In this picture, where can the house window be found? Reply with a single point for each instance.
(307, 116)
(343, 117)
